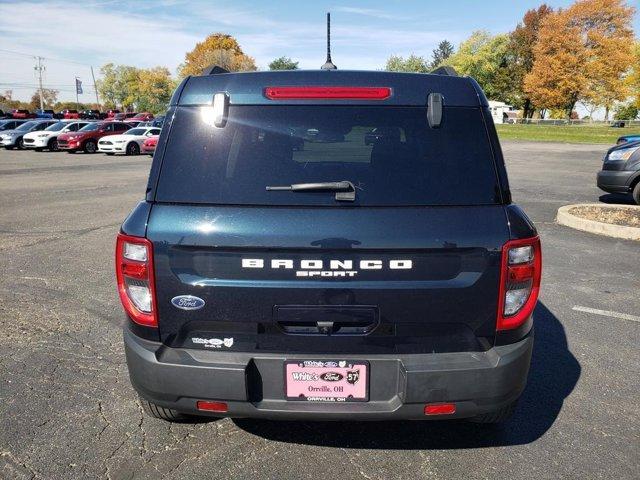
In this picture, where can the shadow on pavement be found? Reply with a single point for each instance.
(553, 375)
(618, 198)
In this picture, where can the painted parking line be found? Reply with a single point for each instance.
(607, 313)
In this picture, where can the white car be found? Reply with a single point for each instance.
(129, 142)
(48, 138)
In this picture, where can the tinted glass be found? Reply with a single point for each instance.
(389, 153)
(121, 127)
(56, 127)
(26, 126)
(136, 131)
(90, 127)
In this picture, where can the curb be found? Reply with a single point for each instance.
(617, 231)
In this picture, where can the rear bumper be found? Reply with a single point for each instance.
(616, 181)
(400, 385)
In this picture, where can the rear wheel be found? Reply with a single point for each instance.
(133, 149)
(53, 145)
(636, 193)
(20, 143)
(156, 411)
(90, 147)
(498, 416)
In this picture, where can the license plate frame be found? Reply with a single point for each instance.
(355, 385)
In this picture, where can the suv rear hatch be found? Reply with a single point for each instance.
(411, 265)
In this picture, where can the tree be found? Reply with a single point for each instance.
(558, 78)
(520, 55)
(626, 112)
(145, 89)
(633, 80)
(607, 35)
(217, 49)
(412, 63)
(440, 54)
(49, 98)
(283, 63)
(107, 85)
(154, 89)
(483, 57)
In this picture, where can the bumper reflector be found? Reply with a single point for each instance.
(440, 408)
(211, 406)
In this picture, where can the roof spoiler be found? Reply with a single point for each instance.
(213, 70)
(445, 70)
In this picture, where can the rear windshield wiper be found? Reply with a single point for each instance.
(345, 191)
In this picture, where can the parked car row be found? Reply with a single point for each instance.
(90, 114)
(125, 137)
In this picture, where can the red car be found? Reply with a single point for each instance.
(122, 116)
(149, 145)
(21, 113)
(70, 114)
(86, 139)
(143, 117)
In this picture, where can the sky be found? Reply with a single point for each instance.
(72, 36)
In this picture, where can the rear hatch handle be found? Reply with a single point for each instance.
(345, 190)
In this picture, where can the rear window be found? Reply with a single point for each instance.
(389, 153)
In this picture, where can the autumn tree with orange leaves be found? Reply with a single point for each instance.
(217, 49)
(582, 52)
(520, 52)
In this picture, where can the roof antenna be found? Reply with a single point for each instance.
(328, 64)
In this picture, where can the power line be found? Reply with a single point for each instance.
(44, 58)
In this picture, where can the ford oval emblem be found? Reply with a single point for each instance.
(187, 302)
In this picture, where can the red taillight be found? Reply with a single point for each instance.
(211, 406)
(521, 270)
(440, 409)
(134, 274)
(344, 93)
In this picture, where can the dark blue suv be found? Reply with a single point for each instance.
(288, 264)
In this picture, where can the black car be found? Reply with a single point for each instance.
(92, 115)
(338, 281)
(621, 170)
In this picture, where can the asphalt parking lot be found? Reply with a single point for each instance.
(67, 409)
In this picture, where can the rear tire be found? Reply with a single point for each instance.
(156, 411)
(20, 143)
(133, 149)
(636, 193)
(498, 416)
(90, 147)
(53, 145)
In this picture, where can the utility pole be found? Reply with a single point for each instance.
(95, 88)
(40, 68)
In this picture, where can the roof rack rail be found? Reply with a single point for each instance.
(213, 70)
(445, 70)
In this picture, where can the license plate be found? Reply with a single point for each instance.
(326, 381)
